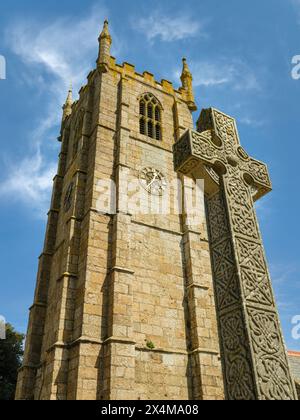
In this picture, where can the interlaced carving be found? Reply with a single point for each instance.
(218, 142)
(241, 205)
(253, 353)
(254, 272)
(237, 360)
(204, 147)
(183, 150)
(219, 225)
(226, 130)
(274, 376)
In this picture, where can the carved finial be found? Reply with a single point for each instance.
(187, 85)
(105, 41)
(105, 32)
(186, 74)
(67, 108)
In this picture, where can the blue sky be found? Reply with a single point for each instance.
(240, 54)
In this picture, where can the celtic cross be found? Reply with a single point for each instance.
(254, 360)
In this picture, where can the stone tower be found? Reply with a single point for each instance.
(124, 306)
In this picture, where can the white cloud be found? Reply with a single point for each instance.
(30, 182)
(168, 28)
(283, 273)
(252, 121)
(210, 74)
(224, 71)
(56, 46)
(296, 7)
(63, 48)
(54, 54)
(264, 208)
(296, 4)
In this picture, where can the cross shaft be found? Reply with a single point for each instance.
(254, 359)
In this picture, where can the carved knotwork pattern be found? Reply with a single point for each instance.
(250, 254)
(255, 279)
(270, 361)
(241, 206)
(182, 150)
(237, 360)
(274, 377)
(219, 142)
(226, 130)
(224, 127)
(226, 280)
(235, 352)
(218, 225)
(258, 171)
(253, 354)
(204, 148)
(265, 334)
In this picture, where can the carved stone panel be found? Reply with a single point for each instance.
(254, 358)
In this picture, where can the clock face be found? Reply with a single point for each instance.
(153, 181)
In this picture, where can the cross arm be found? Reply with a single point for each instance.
(202, 154)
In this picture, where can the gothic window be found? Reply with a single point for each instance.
(150, 117)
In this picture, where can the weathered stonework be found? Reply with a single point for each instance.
(125, 302)
(254, 358)
(108, 284)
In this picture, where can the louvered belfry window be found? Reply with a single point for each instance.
(150, 116)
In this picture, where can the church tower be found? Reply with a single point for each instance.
(150, 285)
(124, 305)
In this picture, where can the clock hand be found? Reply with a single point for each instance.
(149, 185)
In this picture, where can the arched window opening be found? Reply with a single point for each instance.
(157, 132)
(157, 114)
(150, 129)
(150, 111)
(150, 117)
(142, 126)
(142, 108)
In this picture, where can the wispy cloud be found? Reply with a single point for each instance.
(224, 71)
(285, 279)
(30, 182)
(169, 28)
(53, 54)
(296, 4)
(252, 121)
(284, 273)
(64, 47)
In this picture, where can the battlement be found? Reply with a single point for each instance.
(127, 69)
(105, 62)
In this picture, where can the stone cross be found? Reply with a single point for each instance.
(254, 360)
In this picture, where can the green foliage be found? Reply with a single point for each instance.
(11, 352)
(150, 345)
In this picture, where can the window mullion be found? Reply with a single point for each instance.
(150, 117)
